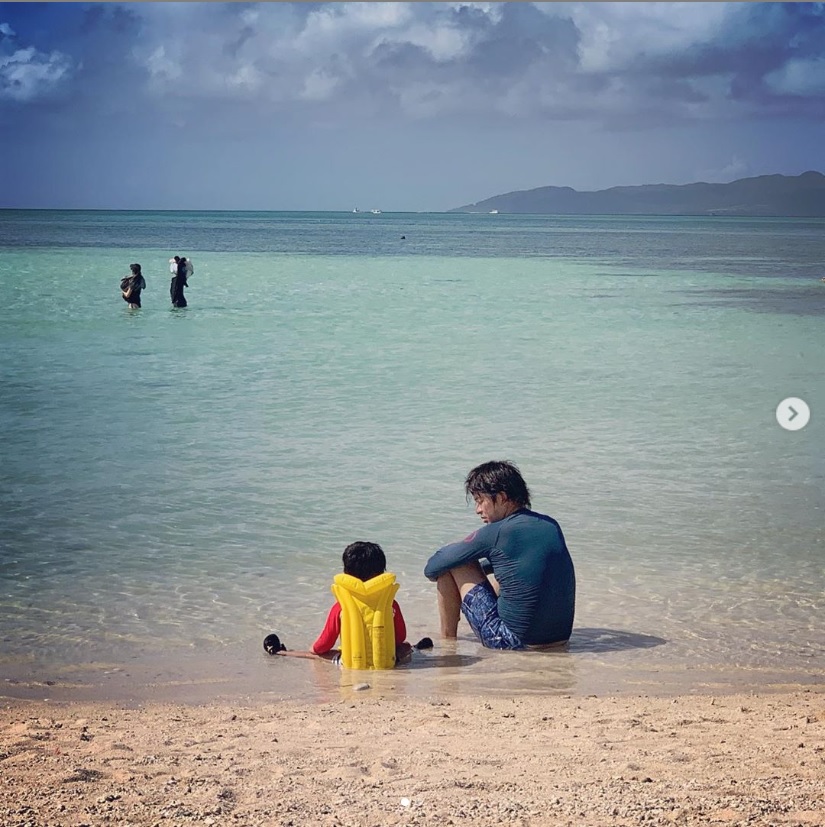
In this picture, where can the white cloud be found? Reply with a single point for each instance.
(345, 27)
(612, 35)
(442, 43)
(300, 55)
(319, 85)
(161, 67)
(799, 77)
(588, 61)
(246, 76)
(26, 73)
(735, 169)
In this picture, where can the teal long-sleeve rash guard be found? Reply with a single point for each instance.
(534, 570)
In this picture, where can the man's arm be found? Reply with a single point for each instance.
(468, 550)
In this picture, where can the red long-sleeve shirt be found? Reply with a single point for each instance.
(332, 629)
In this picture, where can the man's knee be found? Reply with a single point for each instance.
(467, 576)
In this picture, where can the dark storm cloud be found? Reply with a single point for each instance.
(591, 61)
(751, 53)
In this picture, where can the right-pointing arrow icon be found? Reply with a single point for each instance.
(793, 413)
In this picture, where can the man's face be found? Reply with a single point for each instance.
(492, 509)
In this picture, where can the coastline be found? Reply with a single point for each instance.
(377, 758)
(594, 664)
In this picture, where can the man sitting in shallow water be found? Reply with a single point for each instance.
(530, 600)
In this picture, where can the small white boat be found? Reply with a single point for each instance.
(493, 212)
(376, 212)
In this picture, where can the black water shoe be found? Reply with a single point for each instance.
(273, 645)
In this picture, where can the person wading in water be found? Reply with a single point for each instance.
(181, 271)
(131, 286)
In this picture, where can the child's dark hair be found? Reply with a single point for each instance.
(498, 477)
(364, 560)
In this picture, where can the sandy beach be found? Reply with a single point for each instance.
(371, 758)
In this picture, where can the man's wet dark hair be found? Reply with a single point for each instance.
(364, 560)
(498, 477)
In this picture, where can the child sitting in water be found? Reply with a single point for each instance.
(362, 560)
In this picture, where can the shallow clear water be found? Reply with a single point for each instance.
(175, 484)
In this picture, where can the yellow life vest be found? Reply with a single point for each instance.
(367, 627)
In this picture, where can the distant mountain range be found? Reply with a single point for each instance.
(767, 195)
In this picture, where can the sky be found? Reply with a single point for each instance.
(398, 106)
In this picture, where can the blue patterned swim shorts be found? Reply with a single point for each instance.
(480, 607)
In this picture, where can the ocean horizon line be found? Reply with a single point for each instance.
(449, 212)
(215, 210)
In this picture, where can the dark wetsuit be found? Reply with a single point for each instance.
(533, 568)
(177, 285)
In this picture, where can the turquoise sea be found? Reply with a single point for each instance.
(177, 483)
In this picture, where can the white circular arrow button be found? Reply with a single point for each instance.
(793, 413)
